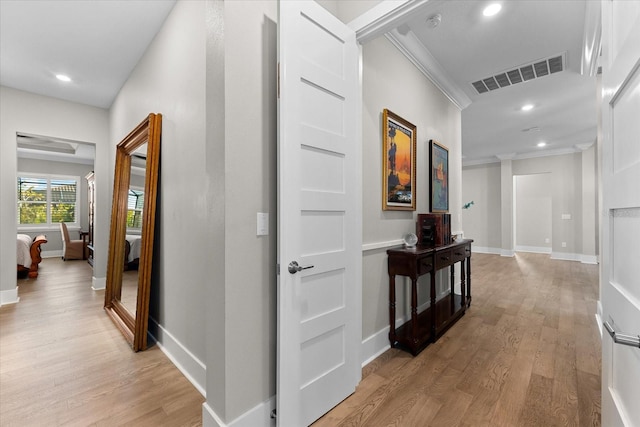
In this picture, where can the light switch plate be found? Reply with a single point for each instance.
(262, 224)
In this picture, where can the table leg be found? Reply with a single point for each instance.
(83, 236)
(469, 281)
(414, 315)
(433, 304)
(392, 310)
(453, 293)
(463, 299)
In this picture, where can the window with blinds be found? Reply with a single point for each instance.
(47, 200)
(135, 203)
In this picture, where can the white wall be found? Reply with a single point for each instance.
(590, 229)
(482, 220)
(533, 206)
(250, 187)
(25, 112)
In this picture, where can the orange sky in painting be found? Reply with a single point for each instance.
(403, 157)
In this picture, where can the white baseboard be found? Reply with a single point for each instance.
(565, 256)
(51, 254)
(374, 345)
(190, 366)
(534, 249)
(585, 259)
(258, 416)
(210, 418)
(98, 283)
(9, 296)
(599, 317)
(507, 252)
(486, 250)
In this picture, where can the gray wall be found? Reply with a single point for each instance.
(566, 193)
(482, 220)
(416, 99)
(25, 112)
(533, 212)
(170, 79)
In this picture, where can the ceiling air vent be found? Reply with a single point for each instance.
(523, 73)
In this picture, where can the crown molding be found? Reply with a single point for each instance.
(591, 39)
(506, 156)
(584, 146)
(578, 148)
(420, 56)
(477, 162)
(386, 16)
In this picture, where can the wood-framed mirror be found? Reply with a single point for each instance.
(133, 213)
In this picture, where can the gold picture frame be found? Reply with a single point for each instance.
(398, 163)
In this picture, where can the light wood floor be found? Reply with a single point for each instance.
(64, 363)
(527, 353)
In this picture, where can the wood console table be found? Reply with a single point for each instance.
(427, 326)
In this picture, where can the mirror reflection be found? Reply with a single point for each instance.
(134, 224)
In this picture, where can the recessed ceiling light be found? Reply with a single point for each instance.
(527, 107)
(63, 78)
(541, 144)
(492, 9)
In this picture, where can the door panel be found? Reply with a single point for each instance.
(619, 289)
(319, 219)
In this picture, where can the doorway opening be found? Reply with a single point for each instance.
(532, 213)
(52, 187)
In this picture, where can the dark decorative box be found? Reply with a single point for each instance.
(433, 229)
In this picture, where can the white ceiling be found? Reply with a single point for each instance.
(98, 43)
(471, 47)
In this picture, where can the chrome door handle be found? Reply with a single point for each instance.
(294, 267)
(618, 338)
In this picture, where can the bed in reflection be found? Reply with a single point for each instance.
(28, 254)
(132, 243)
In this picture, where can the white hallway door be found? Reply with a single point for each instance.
(319, 213)
(620, 275)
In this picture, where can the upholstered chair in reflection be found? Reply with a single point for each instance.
(71, 249)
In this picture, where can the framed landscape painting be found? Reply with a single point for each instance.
(398, 163)
(439, 185)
